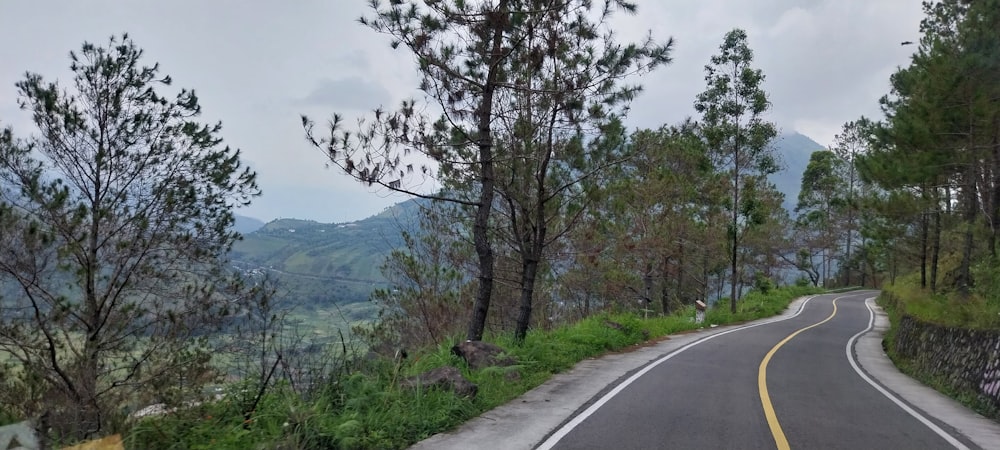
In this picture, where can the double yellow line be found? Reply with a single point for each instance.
(765, 398)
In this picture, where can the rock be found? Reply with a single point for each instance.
(19, 436)
(447, 378)
(479, 354)
(614, 325)
(620, 327)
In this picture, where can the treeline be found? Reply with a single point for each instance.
(585, 216)
(551, 209)
(933, 162)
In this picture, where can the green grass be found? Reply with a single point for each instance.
(331, 321)
(368, 409)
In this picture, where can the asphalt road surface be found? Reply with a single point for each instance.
(792, 383)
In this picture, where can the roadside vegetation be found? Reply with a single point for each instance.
(980, 310)
(363, 405)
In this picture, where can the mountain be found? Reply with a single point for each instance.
(322, 264)
(246, 225)
(794, 150)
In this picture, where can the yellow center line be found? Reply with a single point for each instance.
(772, 419)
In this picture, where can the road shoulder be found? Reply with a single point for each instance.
(981, 431)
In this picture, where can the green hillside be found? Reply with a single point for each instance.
(324, 264)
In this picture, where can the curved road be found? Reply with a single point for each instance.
(784, 384)
(814, 377)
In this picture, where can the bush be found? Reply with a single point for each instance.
(762, 284)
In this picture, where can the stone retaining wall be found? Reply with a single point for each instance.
(968, 360)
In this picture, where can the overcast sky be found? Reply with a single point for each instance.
(258, 65)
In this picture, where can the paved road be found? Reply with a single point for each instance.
(814, 378)
(712, 395)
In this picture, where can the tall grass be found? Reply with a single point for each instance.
(980, 311)
(367, 408)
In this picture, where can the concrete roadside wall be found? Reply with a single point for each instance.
(968, 360)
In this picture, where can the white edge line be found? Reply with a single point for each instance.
(923, 419)
(566, 429)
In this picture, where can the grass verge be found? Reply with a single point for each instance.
(366, 407)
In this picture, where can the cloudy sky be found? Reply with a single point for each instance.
(257, 65)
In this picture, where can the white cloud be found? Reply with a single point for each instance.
(258, 65)
(350, 93)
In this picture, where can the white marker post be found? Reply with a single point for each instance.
(699, 314)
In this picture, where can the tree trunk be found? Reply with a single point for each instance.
(90, 415)
(850, 221)
(847, 260)
(935, 247)
(825, 272)
(484, 250)
(965, 268)
(647, 286)
(706, 288)
(665, 286)
(720, 284)
(90, 411)
(734, 281)
(892, 269)
(864, 272)
(480, 228)
(923, 249)
(533, 246)
(529, 270)
(680, 273)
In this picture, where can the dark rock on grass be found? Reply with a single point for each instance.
(447, 378)
(614, 325)
(479, 354)
(620, 327)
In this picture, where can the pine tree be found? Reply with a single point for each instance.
(820, 203)
(732, 109)
(113, 223)
(544, 67)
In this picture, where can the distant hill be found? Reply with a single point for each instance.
(795, 150)
(326, 263)
(246, 225)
